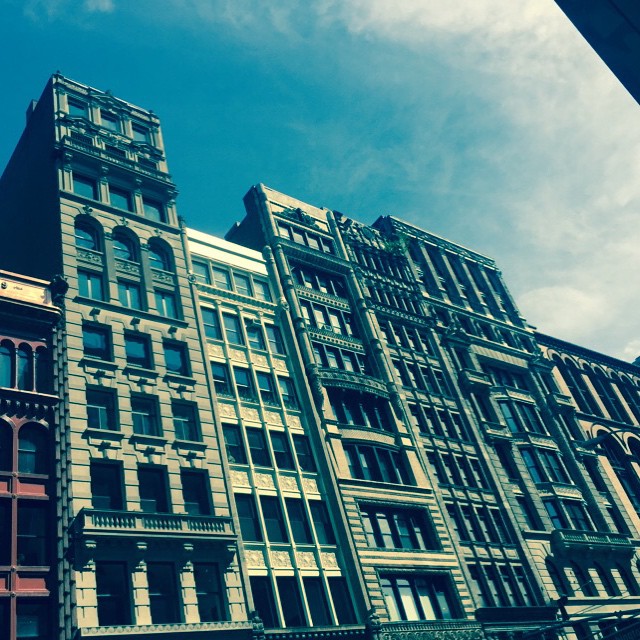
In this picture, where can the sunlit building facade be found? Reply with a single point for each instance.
(312, 427)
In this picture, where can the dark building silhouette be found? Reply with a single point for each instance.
(612, 28)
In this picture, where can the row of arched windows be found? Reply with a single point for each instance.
(23, 449)
(606, 388)
(126, 245)
(24, 366)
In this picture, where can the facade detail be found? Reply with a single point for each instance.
(312, 428)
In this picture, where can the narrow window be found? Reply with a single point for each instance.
(211, 324)
(298, 521)
(138, 350)
(90, 285)
(32, 534)
(144, 412)
(101, 409)
(249, 524)
(175, 357)
(32, 440)
(221, 380)
(129, 294)
(106, 485)
(303, 453)
(196, 492)
(317, 600)
(233, 443)
(164, 599)
(281, 450)
(166, 304)
(263, 600)
(258, 447)
(322, 523)
(152, 482)
(185, 421)
(291, 602)
(209, 592)
(273, 520)
(113, 590)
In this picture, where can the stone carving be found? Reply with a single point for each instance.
(306, 560)
(310, 485)
(236, 354)
(215, 350)
(280, 559)
(255, 558)
(288, 483)
(249, 413)
(271, 417)
(280, 365)
(227, 411)
(239, 478)
(294, 422)
(259, 360)
(264, 481)
(329, 560)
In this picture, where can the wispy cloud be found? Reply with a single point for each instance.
(50, 10)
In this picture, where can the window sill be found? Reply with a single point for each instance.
(98, 363)
(191, 445)
(180, 379)
(133, 370)
(103, 434)
(153, 441)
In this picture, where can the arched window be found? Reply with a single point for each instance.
(32, 449)
(124, 247)
(159, 257)
(86, 237)
(25, 367)
(6, 447)
(43, 371)
(6, 364)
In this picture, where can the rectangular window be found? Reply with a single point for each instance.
(258, 447)
(113, 591)
(76, 109)
(267, 390)
(153, 210)
(137, 349)
(288, 393)
(322, 523)
(85, 187)
(90, 285)
(96, 342)
(106, 485)
(152, 483)
(222, 279)
(185, 421)
(176, 359)
(129, 294)
(166, 304)
(249, 524)
(120, 198)
(254, 334)
(221, 381)
(275, 339)
(298, 521)
(164, 599)
(209, 592)
(273, 520)
(196, 492)
(303, 453)
(32, 534)
(263, 600)
(243, 284)
(101, 409)
(397, 528)
(427, 597)
(262, 290)
(533, 465)
(140, 133)
(201, 272)
(281, 450)
(292, 604)
(317, 600)
(144, 413)
(233, 443)
(232, 329)
(211, 324)
(342, 602)
(244, 385)
(110, 121)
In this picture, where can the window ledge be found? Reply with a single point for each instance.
(132, 369)
(192, 445)
(153, 441)
(98, 363)
(180, 378)
(103, 434)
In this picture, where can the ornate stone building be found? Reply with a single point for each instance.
(315, 427)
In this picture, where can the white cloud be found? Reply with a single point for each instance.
(99, 6)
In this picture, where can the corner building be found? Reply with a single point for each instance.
(147, 539)
(315, 427)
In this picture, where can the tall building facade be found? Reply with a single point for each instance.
(313, 427)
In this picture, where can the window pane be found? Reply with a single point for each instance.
(317, 602)
(153, 490)
(153, 210)
(234, 445)
(263, 600)
(196, 493)
(273, 520)
(137, 350)
(113, 585)
(106, 485)
(96, 342)
(164, 599)
(85, 187)
(209, 593)
(120, 198)
(249, 525)
(32, 539)
(291, 602)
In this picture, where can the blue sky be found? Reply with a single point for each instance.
(490, 122)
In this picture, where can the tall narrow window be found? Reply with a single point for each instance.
(24, 367)
(196, 492)
(211, 324)
(113, 591)
(292, 603)
(164, 599)
(298, 521)
(263, 600)
(258, 447)
(221, 382)
(209, 592)
(152, 482)
(273, 520)
(275, 339)
(233, 444)
(303, 453)
(317, 600)
(32, 534)
(101, 409)
(232, 329)
(129, 294)
(106, 485)
(90, 285)
(176, 358)
(166, 304)
(281, 450)
(322, 523)
(185, 421)
(144, 412)
(249, 524)
(7, 352)
(32, 439)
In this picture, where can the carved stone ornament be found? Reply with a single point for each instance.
(248, 413)
(255, 558)
(294, 422)
(239, 478)
(227, 410)
(281, 559)
(264, 481)
(288, 483)
(329, 560)
(310, 485)
(306, 560)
